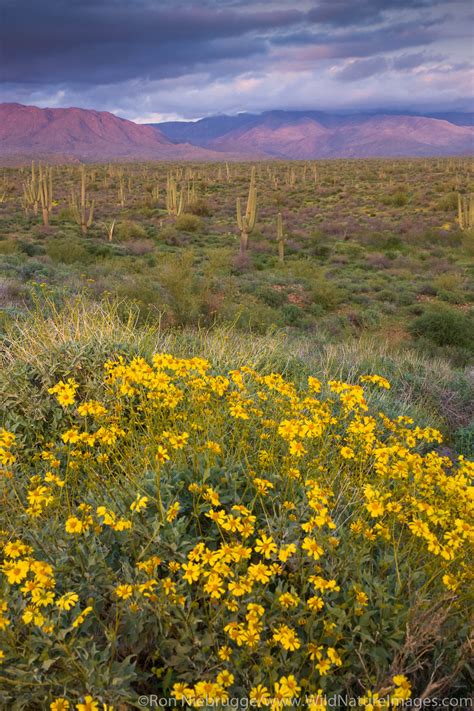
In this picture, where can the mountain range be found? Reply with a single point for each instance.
(82, 134)
(314, 134)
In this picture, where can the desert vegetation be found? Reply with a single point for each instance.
(235, 433)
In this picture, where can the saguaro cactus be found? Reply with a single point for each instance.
(121, 190)
(466, 211)
(82, 209)
(31, 191)
(155, 193)
(246, 222)
(280, 239)
(174, 199)
(46, 193)
(191, 193)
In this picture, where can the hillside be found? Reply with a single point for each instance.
(307, 135)
(73, 134)
(28, 131)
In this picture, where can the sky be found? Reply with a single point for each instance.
(172, 59)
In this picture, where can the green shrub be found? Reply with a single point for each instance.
(326, 294)
(188, 223)
(271, 297)
(128, 230)
(186, 292)
(67, 251)
(8, 246)
(445, 326)
(399, 199)
(200, 207)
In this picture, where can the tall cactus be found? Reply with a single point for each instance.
(46, 193)
(174, 198)
(246, 223)
(82, 209)
(31, 191)
(191, 193)
(121, 191)
(280, 239)
(466, 211)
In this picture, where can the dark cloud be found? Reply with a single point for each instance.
(342, 13)
(366, 42)
(406, 62)
(363, 68)
(109, 41)
(118, 53)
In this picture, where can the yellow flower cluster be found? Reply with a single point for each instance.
(65, 392)
(7, 458)
(238, 508)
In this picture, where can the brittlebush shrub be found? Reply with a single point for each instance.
(187, 532)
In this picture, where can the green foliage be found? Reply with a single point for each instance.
(446, 326)
(188, 223)
(67, 251)
(186, 292)
(325, 293)
(127, 230)
(8, 246)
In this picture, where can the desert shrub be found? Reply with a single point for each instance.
(139, 247)
(377, 260)
(67, 251)
(35, 270)
(445, 326)
(448, 202)
(9, 246)
(292, 314)
(188, 223)
(269, 531)
(170, 236)
(367, 318)
(399, 199)
(186, 292)
(271, 296)
(449, 287)
(31, 249)
(464, 440)
(128, 231)
(467, 243)
(200, 208)
(252, 316)
(241, 263)
(318, 246)
(325, 293)
(65, 214)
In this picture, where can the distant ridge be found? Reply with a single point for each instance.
(316, 134)
(73, 134)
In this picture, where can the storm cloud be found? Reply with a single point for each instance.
(146, 59)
